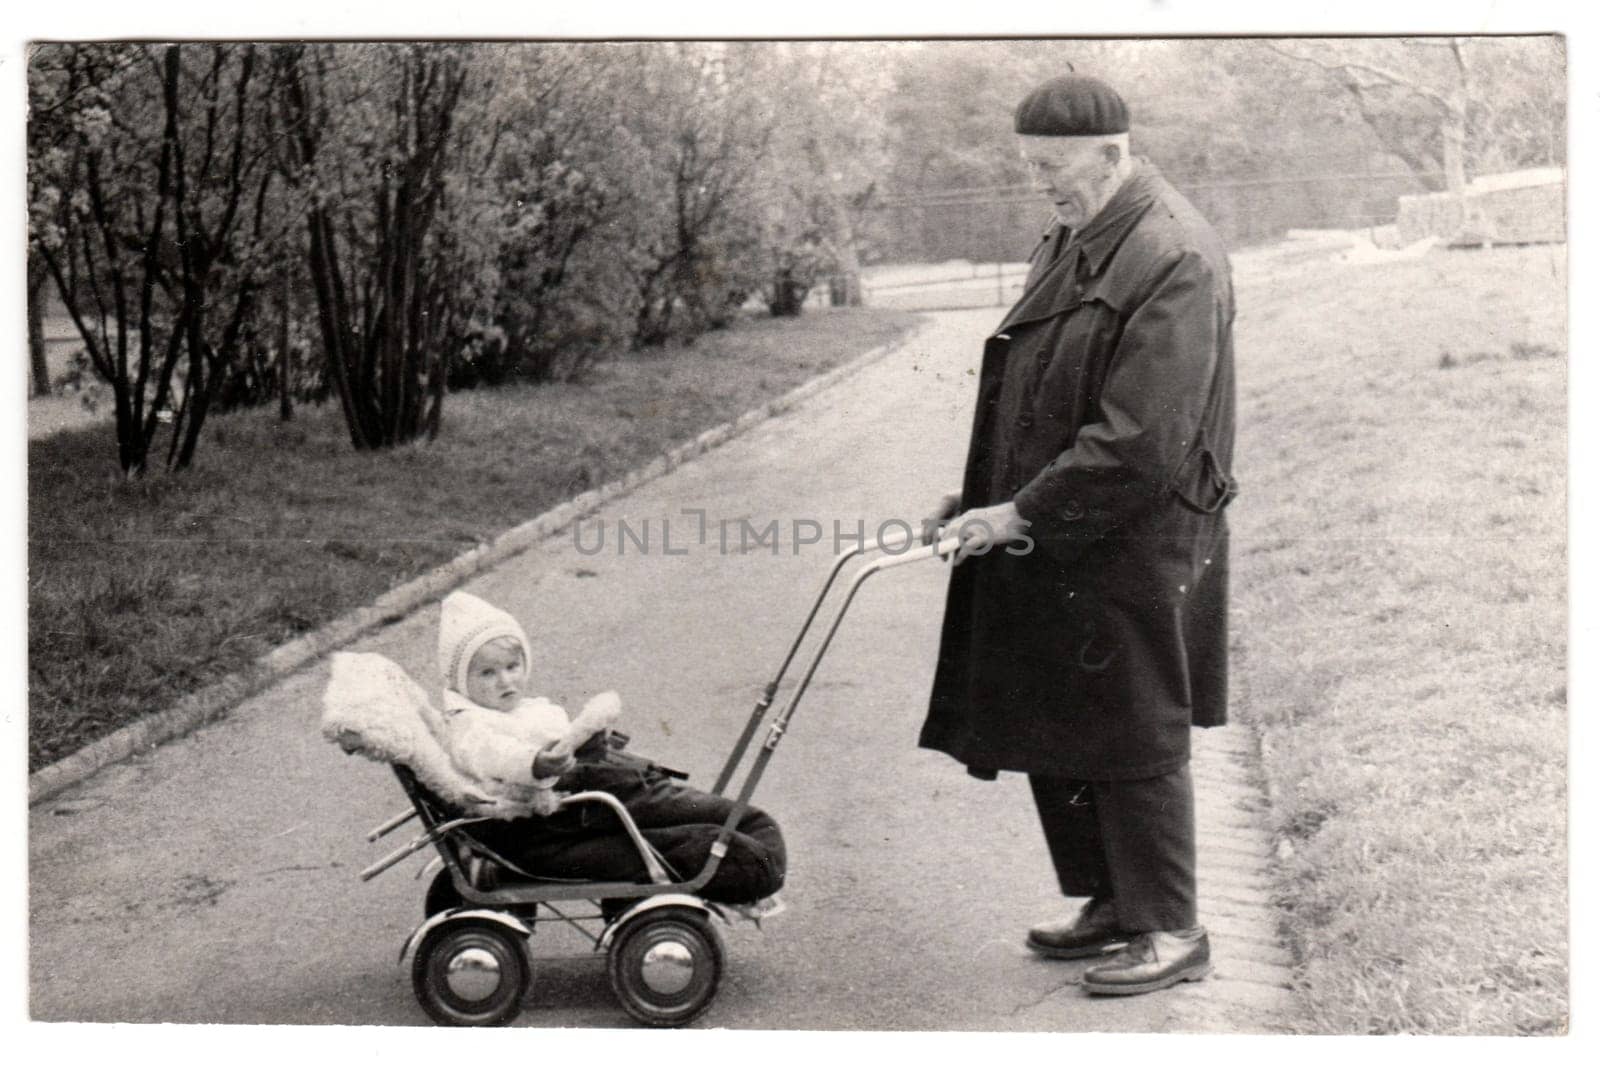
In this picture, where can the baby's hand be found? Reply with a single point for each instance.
(603, 709)
(597, 716)
(551, 762)
(544, 802)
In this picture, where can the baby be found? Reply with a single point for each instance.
(489, 725)
(519, 748)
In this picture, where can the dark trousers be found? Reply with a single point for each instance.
(587, 841)
(1128, 840)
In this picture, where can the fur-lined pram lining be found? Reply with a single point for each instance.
(373, 708)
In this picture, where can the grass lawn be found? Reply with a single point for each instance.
(140, 592)
(1400, 617)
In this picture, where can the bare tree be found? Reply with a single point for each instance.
(371, 147)
(1426, 73)
(553, 196)
(699, 146)
(146, 180)
(38, 365)
(827, 155)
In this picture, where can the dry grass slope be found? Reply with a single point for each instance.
(1400, 610)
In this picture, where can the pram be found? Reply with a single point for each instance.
(470, 959)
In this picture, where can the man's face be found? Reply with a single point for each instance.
(1075, 174)
(496, 674)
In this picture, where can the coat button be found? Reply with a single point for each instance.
(1072, 511)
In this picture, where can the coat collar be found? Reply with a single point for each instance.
(1106, 230)
(1051, 293)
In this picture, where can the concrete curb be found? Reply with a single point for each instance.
(1252, 990)
(217, 699)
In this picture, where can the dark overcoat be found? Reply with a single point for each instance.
(1105, 412)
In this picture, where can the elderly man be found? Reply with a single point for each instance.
(1085, 629)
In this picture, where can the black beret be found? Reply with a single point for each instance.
(1072, 106)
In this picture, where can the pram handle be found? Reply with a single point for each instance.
(942, 549)
(900, 553)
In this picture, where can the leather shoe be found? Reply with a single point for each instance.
(1153, 960)
(1090, 934)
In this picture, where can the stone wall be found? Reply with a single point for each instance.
(1529, 207)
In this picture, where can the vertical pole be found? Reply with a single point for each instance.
(1368, 198)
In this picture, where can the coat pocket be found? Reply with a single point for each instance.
(1202, 485)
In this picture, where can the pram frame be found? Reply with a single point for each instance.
(663, 952)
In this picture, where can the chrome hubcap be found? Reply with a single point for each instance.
(473, 974)
(667, 968)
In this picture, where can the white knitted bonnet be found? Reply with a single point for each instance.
(466, 623)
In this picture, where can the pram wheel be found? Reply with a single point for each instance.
(665, 966)
(470, 973)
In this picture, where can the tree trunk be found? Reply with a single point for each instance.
(1454, 126)
(788, 295)
(38, 364)
(841, 234)
(381, 358)
(285, 363)
(845, 288)
(1453, 130)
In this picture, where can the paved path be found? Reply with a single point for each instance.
(214, 879)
